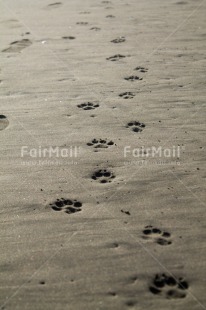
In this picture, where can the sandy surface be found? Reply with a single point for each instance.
(54, 58)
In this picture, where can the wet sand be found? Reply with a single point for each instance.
(108, 221)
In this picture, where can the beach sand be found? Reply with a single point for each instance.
(113, 223)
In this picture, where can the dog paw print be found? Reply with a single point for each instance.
(136, 126)
(67, 205)
(119, 40)
(82, 23)
(160, 237)
(55, 5)
(181, 2)
(25, 33)
(101, 143)
(127, 95)
(103, 176)
(141, 69)
(133, 78)
(3, 122)
(68, 38)
(95, 28)
(169, 286)
(88, 106)
(116, 57)
(17, 46)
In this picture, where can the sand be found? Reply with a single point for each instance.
(105, 223)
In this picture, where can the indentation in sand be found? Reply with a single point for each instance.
(136, 126)
(133, 78)
(169, 286)
(88, 106)
(100, 143)
(3, 122)
(127, 95)
(119, 40)
(141, 69)
(55, 4)
(17, 46)
(103, 176)
(159, 236)
(67, 205)
(116, 57)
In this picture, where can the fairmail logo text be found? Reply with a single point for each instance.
(49, 152)
(173, 152)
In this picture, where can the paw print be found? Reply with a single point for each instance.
(168, 286)
(141, 69)
(3, 122)
(160, 237)
(56, 4)
(116, 57)
(127, 95)
(67, 205)
(103, 176)
(88, 106)
(95, 28)
(101, 143)
(136, 126)
(133, 78)
(82, 23)
(68, 38)
(85, 12)
(17, 46)
(119, 40)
